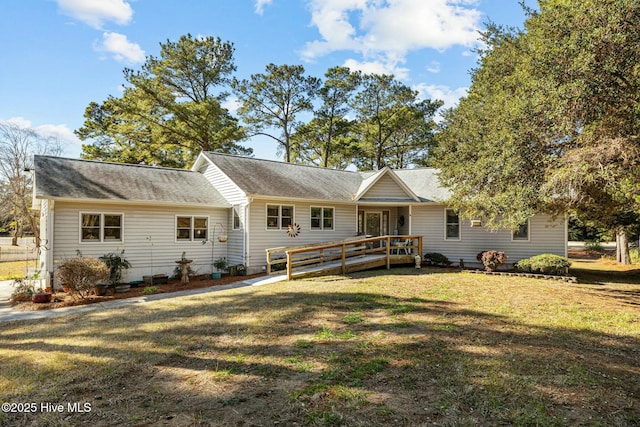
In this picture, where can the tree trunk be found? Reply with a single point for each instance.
(622, 246)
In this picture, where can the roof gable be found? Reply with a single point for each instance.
(385, 185)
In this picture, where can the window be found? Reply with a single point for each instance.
(236, 217)
(279, 216)
(98, 227)
(522, 233)
(452, 225)
(190, 228)
(321, 218)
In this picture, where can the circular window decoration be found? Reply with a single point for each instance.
(293, 230)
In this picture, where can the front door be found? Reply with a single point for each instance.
(373, 222)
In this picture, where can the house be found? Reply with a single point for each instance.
(155, 214)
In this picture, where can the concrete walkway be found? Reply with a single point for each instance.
(8, 313)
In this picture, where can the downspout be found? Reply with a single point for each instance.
(245, 235)
(49, 242)
(566, 235)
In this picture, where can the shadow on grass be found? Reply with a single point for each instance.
(330, 357)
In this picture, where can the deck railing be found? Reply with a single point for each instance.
(319, 253)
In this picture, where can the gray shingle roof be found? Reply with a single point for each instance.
(424, 182)
(60, 178)
(278, 179)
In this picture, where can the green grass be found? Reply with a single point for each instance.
(405, 347)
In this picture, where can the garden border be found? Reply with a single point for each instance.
(570, 279)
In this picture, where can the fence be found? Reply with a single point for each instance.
(18, 253)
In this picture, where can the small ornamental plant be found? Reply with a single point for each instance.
(491, 259)
(82, 274)
(117, 264)
(544, 263)
(435, 258)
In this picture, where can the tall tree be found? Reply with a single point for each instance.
(551, 121)
(393, 125)
(271, 102)
(328, 140)
(170, 110)
(17, 148)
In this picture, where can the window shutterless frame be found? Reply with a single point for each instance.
(452, 229)
(523, 233)
(101, 227)
(191, 228)
(279, 217)
(322, 218)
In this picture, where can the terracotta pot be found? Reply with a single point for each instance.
(100, 290)
(41, 297)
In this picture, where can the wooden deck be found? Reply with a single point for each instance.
(346, 256)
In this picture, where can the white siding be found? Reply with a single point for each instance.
(545, 236)
(262, 239)
(156, 255)
(235, 196)
(385, 188)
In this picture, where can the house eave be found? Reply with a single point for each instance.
(134, 202)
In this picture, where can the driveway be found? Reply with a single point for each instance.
(5, 293)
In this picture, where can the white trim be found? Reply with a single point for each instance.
(452, 239)
(377, 177)
(191, 228)
(279, 205)
(322, 228)
(101, 238)
(137, 203)
(528, 239)
(235, 211)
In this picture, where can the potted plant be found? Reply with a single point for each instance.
(117, 264)
(221, 266)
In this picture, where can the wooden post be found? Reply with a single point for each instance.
(388, 252)
(344, 258)
(420, 246)
(289, 266)
(268, 262)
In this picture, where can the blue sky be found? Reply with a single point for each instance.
(59, 55)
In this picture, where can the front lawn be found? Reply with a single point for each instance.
(406, 347)
(10, 270)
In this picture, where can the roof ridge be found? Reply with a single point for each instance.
(277, 162)
(103, 162)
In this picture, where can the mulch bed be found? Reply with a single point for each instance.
(62, 299)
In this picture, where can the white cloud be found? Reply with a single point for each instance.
(260, 4)
(122, 49)
(378, 67)
(96, 12)
(18, 121)
(434, 67)
(232, 104)
(60, 132)
(391, 28)
(451, 97)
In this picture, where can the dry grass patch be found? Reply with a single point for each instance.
(404, 347)
(10, 270)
